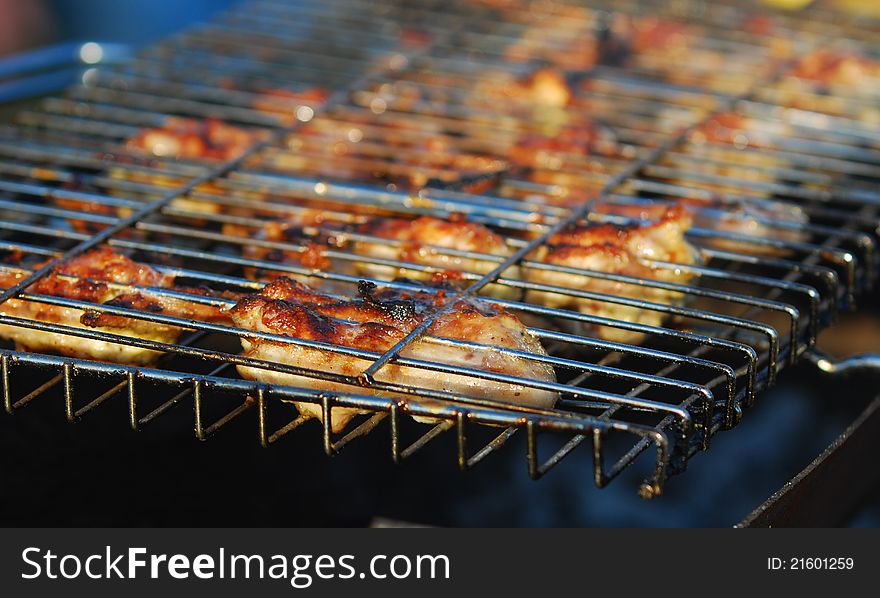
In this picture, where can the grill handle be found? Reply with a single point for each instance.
(868, 363)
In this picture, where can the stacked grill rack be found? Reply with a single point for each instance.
(398, 136)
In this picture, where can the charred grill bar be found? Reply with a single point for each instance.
(397, 131)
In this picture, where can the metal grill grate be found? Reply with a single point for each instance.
(784, 200)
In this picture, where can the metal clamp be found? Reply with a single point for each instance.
(866, 363)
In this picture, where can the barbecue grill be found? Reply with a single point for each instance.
(399, 77)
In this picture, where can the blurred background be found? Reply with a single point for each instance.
(32, 23)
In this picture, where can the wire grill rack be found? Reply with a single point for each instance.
(412, 125)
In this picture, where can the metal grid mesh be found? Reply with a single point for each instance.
(410, 121)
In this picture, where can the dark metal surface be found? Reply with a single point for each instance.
(98, 473)
(828, 491)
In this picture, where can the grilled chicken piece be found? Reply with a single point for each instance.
(292, 231)
(564, 39)
(177, 138)
(733, 137)
(543, 88)
(753, 219)
(421, 242)
(311, 256)
(657, 34)
(475, 172)
(194, 139)
(727, 139)
(833, 82)
(390, 154)
(729, 128)
(566, 159)
(573, 140)
(376, 321)
(624, 250)
(831, 69)
(95, 277)
(580, 53)
(732, 145)
(662, 46)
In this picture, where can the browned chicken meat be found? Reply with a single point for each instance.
(543, 88)
(194, 139)
(308, 253)
(571, 158)
(662, 46)
(729, 128)
(375, 321)
(625, 250)
(563, 38)
(306, 239)
(178, 138)
(829, 69)
(384, 151)
(756, 220)
(562, 144)
(834, 82)
(422, 242)
(733, 144)
(100, 276)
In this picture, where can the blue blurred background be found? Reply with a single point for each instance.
(27, 24)
(135, 23)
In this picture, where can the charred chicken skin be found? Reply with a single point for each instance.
(625, 250)
(375, 321)
(95, 277)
